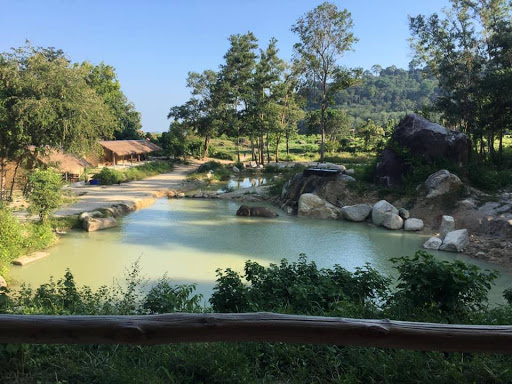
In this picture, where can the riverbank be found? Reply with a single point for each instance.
(134, 195)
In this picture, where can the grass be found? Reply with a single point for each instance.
(108, 176)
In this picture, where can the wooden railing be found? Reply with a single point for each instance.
(267, 327)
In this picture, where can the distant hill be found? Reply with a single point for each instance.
(383, 94)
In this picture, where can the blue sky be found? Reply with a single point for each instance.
(153, 44)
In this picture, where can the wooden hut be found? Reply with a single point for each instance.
(71, 166)
(127, 151)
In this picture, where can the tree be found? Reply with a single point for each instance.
(337, 123)
(45, 102)
(235, 77)
(370, 132)
(103, 79)
(44, 192)
(325, 36)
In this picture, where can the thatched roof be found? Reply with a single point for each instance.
(130, 147)
(65, 162)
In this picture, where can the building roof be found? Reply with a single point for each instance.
(65, 162)
(130, 147)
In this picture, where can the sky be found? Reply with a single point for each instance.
(154, 44)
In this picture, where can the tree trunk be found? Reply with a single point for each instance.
(268, 149)
(18, 163)
(3, 172)
(206, 144)
(253, 152)
(278, 139)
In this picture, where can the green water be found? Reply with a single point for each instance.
(189, 239)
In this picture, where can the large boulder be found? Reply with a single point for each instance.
(357, 213)
(381, 210)
(442, 182)
(455, 241)
(447, 225)
(420, 138)
(393, 221)
(96, 224)
(413, 225)
(310, 205)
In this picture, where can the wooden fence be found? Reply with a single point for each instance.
(243, 327)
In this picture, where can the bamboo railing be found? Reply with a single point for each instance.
(261, 327)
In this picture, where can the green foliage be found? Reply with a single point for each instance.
(440, 288)
(11, 236)
(488, 178)
(109, 176)
(298, 287)
(507, 294)
(44, 192)
(167, 298)
(216, 154)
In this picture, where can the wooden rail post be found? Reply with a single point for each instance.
(261, 327)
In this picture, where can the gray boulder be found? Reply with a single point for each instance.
(442, 182)
(455, 241)
(447, 225)
(357, 213)
(433, 243)
(350, 171)
(413, 225)
(347, 178)
(310, 205)
(236, 170)
(421, 139)
(87, 215)
(393, 221)
(97, 224)
(381, 210)
(403, 213)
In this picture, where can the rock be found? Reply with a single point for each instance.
(97, 224)
(346, 178)
(24, 260)
(422, 139)
(442, 182)
(311, 205)
(350, 171)
(393, 221)
(468, 204)
(86, 215)
(180, 195)
(380, 211)
(403, 213)
(357, 213)
(337, 167)
(281, 165)
(447, 225)
(455, 241)
(236, 170)
(260, 166)
(245, 210)
(433, 243)
(413, 225)
(253, 164)
(3, 283)
(497, 226)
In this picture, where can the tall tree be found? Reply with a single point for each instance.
(325, 35)
(235, 76)
(46, 102)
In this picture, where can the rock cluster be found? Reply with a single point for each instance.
(449, 239)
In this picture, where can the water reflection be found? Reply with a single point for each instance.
(189, 239)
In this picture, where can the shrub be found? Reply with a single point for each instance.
(11, 236)
(439, 287)
(167, 298)
(108, 176)
(209, 166)
(44, 192)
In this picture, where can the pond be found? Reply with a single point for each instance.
(189, 239)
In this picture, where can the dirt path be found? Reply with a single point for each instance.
(136, 193)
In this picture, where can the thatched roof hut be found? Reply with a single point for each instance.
(65, 162)
(132, 150)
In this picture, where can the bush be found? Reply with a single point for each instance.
(44, 192)
(11, 236)
(167, 298)
(452, 290)
(108, 176)
(486, 178)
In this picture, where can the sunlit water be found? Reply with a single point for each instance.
(189, 239)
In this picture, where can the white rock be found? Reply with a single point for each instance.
(347, 178)
(337, 167)
(253, 164)
(455, 241)
(380, 211)
(260, 166)
(413, 225)
(350, 171)
(433, 243)
(440, 183)
(310, 205)
(3, 283)
(236, 170)
(91, 224)
(393, 221)
(92, 214)
(358, 212)
(447, 225)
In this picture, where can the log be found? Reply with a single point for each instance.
(256, 327)
(24, 260)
